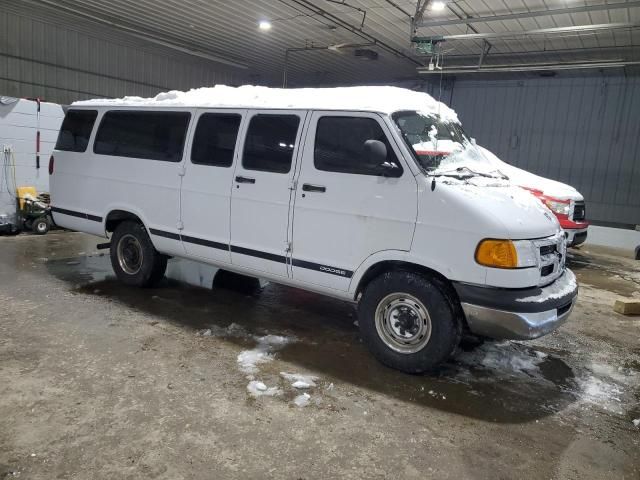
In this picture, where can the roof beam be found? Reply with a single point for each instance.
(527, 33)
(528, 67)
(517, 16)
(148, 36)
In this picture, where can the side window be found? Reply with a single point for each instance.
(340, 141)
(270, 143)
(75, 130)
(215, 139)
(149, 135)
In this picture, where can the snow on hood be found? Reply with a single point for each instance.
(526, 179)
(507, 208)
(377, 99)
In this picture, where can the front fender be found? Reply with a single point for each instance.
(388, 256)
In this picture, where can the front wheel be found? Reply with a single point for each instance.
(134, 259)
(408, 321)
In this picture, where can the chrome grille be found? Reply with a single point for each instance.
(551, 252)
(579, 212)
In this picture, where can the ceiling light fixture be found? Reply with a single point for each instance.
(264, 25)
(438, 6)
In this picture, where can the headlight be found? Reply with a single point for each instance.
(557, 206)
(506, 253)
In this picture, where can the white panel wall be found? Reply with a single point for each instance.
(19, 124)
(44, 55)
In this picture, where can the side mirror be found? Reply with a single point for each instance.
(473, 141)
(377, 153)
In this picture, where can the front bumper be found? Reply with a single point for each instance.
(518, 314)
(575, 236)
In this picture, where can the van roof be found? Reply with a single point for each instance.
(375, 99)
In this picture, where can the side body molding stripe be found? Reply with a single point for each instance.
(73, 213)
(340, 272)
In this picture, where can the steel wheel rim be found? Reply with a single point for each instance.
(403, 323)
(41, 227)
(129, 253)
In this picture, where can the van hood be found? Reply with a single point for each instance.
(496, 208)
(522, 178)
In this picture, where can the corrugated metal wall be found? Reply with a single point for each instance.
(584, 131)
(60, 64)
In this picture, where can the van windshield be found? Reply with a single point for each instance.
(442, 147)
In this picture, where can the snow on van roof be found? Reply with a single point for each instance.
(377, 99)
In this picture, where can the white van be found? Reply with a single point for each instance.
(319, 189)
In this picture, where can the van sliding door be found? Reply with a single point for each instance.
(206, 185)
(261, 193)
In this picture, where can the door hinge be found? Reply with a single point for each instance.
(293, 185)
(182, 170)
(287, 247)
(180, 226)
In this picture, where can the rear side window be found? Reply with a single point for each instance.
(76, 130)
(149, 135)
(270, 143)
(340, 145)
(215, 140)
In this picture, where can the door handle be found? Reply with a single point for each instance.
(307, 187)
(240, 179)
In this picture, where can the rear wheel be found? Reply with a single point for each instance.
(134, 259)
(408, 321)
(40, 226)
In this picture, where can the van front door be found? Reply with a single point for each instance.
(348, 205)
(261, 193)
(206, 185)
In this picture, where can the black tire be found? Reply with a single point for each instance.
(138, 264)
(413, 291)
(470, 342)
(40, 226)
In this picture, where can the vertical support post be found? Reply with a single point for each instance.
(38, 134)
(286, 66)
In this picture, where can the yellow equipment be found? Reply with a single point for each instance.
(24, 192)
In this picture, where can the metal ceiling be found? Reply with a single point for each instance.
(502, 33)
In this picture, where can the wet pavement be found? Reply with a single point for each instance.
(99, 380)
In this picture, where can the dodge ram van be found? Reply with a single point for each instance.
(329, 190)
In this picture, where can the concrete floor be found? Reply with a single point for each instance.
(100, 381)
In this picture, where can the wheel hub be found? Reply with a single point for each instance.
(130, 254)
(403, 323)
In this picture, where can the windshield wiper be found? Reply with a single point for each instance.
(458, 172)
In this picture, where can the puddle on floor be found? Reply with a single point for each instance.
(499, 382)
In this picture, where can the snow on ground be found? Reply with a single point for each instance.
(259, 389)
(606, 386)
(504, 358)
(248, 360)
(299, 380)
(233, 330)
(264, 351)
(302, 400)
(602, 393)
(595, 384)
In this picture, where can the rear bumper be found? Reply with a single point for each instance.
(518, 314)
